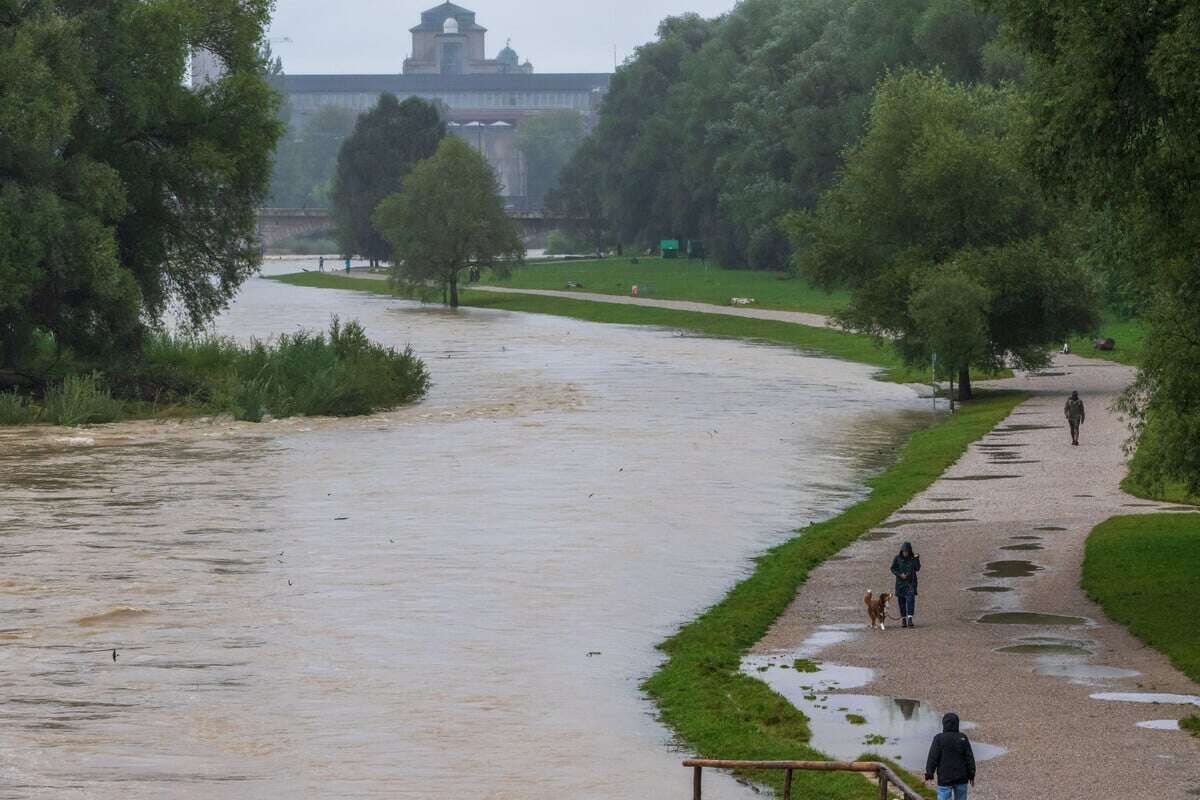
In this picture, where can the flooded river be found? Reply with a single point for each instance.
(458, 599)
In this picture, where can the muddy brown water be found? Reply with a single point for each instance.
(455, 599)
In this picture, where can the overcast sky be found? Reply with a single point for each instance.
(371, 36)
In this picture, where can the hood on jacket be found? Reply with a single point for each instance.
(906, 548)
(950, 723)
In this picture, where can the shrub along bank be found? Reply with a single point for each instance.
(339, 373)
(1138, 567)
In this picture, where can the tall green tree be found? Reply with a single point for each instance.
(576, 200)
(547, 142)
(386, 144)
(938, 195)
(123, 191)
(306, 159)
(448, 217)
(1116, 88)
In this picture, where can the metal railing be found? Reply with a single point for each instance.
(883, 773)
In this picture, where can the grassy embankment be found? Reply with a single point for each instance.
(670, 279)
(1129, 335)
(722, 713)
(301, 374)
(851, 347)
(1138, 568)
(702, 694)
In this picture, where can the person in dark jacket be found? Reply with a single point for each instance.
(905, 567)
(1074, 412)
(951, 759)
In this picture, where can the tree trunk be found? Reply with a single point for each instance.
(964, 383)
(454, 292)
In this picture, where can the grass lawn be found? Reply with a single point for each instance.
(1139, 568)
(672, 279)
(1129, 335)
(851, 347)
(700, 691)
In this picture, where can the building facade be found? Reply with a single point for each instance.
(485, 100)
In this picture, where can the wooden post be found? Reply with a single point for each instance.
(883, 786)
(787, 786)
(696, 782)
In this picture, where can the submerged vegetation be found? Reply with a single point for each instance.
(700, 690)
(340, 373)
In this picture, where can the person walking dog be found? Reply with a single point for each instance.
(905, 567)
(1074, 413)
(951, 759)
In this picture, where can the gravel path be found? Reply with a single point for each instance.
(1062, 743)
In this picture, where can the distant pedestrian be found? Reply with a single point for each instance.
(347, 265)
(321, 264)
(1066, 348)
(951, 759)
(1074, 413)
(905, 567)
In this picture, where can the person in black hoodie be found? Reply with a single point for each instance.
(905, 567)
(950, 757)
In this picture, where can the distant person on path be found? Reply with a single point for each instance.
(905, 567)
(951, 759)
(1073, 411)
(347, 265)
(321, 264)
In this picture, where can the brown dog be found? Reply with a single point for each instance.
(877, 609)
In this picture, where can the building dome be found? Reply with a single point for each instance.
(451, 25)
(508, 57)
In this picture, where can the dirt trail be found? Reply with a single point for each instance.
(1023, 480)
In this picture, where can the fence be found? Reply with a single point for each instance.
(883, 773)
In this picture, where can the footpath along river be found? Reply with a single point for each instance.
(455, 599)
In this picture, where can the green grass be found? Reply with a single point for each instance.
(672, 279)
(826, 341)
(700, 690)
(1129, 335)
(1138, 568)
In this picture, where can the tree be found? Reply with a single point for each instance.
(576, 199)
(448, 217)
(123, 191)
(306, 160)
(386, 143)
(547, 142)
(1116, 91)
(938, 195)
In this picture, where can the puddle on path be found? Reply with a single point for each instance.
(878, 536)
(1029, 618)
(989, 589)
(1082, 674)
(905, 726)
(946, 499)
(1157, 698)
(926, 521)
(1050, 528)
(982, 477)
(1027, 546)
(1046, 646)
(1085, 495)
(1033, 538)
(1160, 724)
(1026, 427)
(1011, 569)
(908, 511)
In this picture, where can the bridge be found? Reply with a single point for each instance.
(276, 225)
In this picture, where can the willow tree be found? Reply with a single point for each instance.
(123, 190)
(938, 200)
(447, 218)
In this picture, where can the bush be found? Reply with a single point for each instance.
(565, 243)
(320, 245)
(17, 409)
(79, 400)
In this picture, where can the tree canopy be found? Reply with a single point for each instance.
(937, 206)
(720, 127)
(306, 159)
(448, 217)
(547, 141)
(1116, 95)
(386, 144)
(123, 191)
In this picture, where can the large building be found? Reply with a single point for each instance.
(485, 99)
